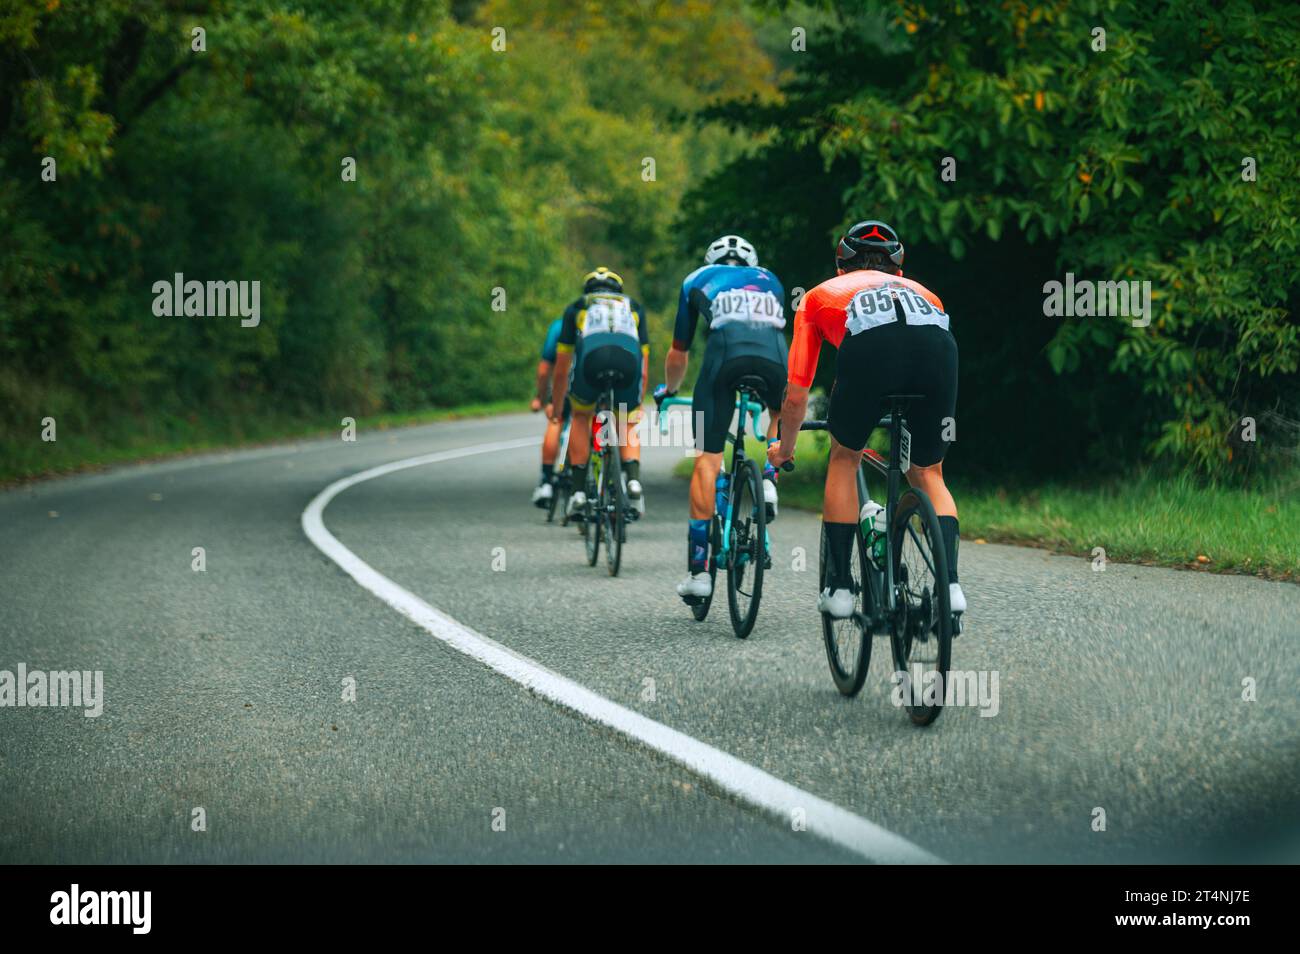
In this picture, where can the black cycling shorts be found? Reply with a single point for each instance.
(715, 396)
(896, 359)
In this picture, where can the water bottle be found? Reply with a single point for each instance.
(874, 530)
(722, 485)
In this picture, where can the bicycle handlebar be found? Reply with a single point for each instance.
(818, 425)
(754, 411)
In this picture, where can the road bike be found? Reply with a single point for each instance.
(607, 511)
(900, 583)
(738, 539)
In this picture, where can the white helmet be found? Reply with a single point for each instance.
(731, 246)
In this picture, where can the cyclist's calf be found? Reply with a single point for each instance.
(930, 480)
(704, 479)
(841, 504)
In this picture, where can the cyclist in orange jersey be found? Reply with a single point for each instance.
(892, 337)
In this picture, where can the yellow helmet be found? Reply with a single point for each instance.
(602, 279)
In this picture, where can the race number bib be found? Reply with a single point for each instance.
(609, 316)
(876, 306)
(748, 306)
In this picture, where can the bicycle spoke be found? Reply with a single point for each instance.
(920, 548)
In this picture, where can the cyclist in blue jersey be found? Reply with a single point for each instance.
(743, 310)
(604, 330)
(542, 399)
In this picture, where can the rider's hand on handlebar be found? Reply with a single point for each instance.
(662, 392)
(777, 455)
(535, 405)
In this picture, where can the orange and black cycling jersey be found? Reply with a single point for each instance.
(863, 299)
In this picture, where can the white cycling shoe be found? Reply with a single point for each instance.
(636, 497)
(542, 494)
(769, 498)
(576, 502)
(837, 603)
(697, 584)
(956, 598)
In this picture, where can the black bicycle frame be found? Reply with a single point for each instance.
(892, 473)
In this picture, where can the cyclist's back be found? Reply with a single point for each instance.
(742, 309)
(891, 336)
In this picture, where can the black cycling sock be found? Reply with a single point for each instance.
(951, 536)
(633, 469)
(548, 471)
(839, 544)
(578, 477)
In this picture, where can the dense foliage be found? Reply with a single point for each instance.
(483, 161)
(502, 144)
(1128, 162)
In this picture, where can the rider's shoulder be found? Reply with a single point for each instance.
(839, 287)
(695, 277)
(859, 279)
(921, 290)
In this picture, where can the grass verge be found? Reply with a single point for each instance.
(132, 440)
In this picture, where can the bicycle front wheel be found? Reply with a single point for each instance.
(848, 644)
(921, 631)
(746, 548)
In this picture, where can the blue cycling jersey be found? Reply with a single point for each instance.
(746, 296)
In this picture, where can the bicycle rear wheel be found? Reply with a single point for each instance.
(746, 548)
(921, 633)
(848, 644)
(614, 510)
(592, 521)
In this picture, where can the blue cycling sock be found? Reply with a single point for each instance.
(697, 546)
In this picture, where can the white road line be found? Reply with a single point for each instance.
(747, 783)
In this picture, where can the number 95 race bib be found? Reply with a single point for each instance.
(872, 307)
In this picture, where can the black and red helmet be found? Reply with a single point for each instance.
(870, 236)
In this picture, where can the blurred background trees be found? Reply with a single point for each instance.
(478, 169)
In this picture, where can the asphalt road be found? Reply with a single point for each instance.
(223, 689)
